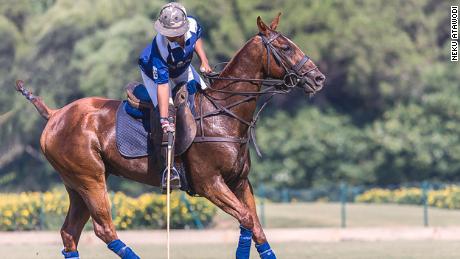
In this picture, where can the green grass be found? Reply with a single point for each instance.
(295, 215)
(342, 250)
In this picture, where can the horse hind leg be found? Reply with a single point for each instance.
(246, 196)
(82, 169)
(97, 200)
(77, 216)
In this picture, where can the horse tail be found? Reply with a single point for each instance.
(41, 107)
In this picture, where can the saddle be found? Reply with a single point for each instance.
(139, 134)
(141, 106)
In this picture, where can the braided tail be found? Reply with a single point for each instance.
(41, 107)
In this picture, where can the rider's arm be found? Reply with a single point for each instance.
(160, 75)
(204, 60)
(163, 99)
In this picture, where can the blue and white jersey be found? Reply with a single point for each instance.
(163, 59)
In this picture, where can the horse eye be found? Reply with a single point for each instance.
(285, 47)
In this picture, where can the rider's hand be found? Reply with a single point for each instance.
(167, 126)
(205, 68)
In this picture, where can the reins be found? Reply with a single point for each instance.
(221, 109)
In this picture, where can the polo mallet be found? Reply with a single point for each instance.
(168, 185)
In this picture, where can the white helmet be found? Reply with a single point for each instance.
(172, 21)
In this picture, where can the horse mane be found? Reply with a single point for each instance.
(233, 60)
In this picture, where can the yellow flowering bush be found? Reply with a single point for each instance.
(24, 211)
(448, 197)
(375, 196)
(33, 210)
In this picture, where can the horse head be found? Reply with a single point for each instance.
(285, 60)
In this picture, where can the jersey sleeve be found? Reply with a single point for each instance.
(195, 26)
(198, 30)
(160, 72)
(152, 64)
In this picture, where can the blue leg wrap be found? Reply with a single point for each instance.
(70, 255)
(244, 244)
(122, 250)
(265, 251)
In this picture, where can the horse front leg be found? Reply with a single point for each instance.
(246, 196)
(217, 191)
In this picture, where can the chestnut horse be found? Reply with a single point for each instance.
(79, 141)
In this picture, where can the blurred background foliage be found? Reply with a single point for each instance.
(40, 211)
(388, 115)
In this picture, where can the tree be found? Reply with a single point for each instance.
(310, 148)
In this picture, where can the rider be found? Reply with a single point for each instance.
(165, 62)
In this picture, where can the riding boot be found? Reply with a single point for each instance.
(159, 142)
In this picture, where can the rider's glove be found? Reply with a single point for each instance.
(167, 126)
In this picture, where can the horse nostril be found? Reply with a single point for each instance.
(320, 79)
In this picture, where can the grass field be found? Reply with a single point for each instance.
(295, 215)
(341, 250)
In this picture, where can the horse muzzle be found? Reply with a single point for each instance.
(312, 83)
(309, 82)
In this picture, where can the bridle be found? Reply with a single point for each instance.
(293, 77)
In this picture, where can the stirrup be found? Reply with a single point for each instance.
(174, 181)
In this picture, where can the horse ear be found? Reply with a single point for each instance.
(275, 22)
(263, 28)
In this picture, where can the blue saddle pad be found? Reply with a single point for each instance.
(132, 135)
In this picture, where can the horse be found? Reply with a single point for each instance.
(79, 142)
